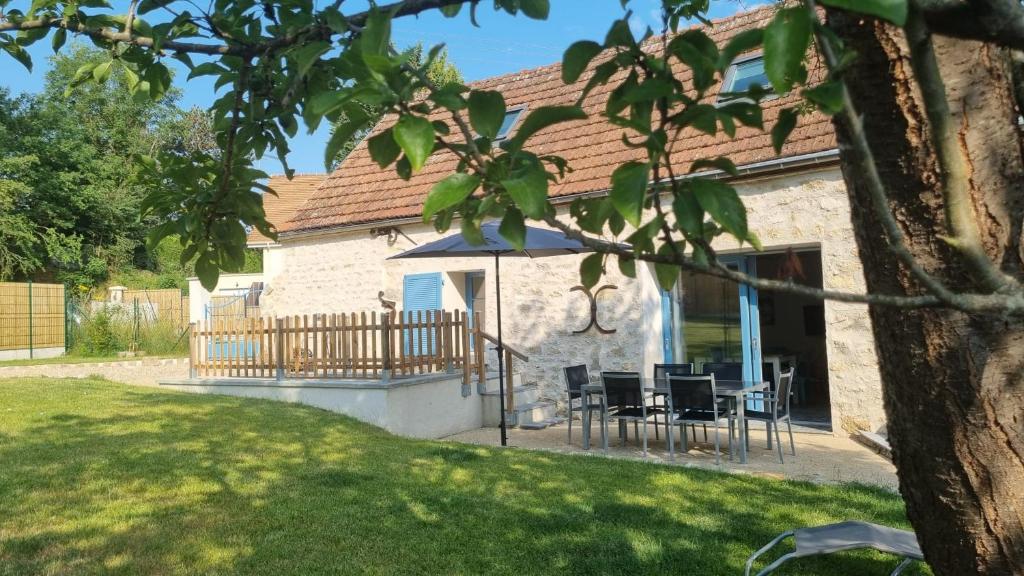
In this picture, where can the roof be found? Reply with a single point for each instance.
(360, 192)
(291, 194)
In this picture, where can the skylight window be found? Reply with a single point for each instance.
(508, 123)
(743, 75)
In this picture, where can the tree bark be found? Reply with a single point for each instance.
(953, 384)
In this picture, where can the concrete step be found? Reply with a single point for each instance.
(522, 394)
(534, 412)
(492, 401)
(543, 424)
(491, 384)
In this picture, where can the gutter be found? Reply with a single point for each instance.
(744, 172)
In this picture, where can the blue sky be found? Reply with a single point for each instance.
(501, 44)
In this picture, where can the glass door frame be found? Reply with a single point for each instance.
(674, 320)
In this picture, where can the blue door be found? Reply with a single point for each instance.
(421, 296)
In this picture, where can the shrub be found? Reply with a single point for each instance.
(102, 332)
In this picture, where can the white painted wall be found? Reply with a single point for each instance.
(199, 297)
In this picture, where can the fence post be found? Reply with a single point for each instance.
(67, 331)
(31, 329)
(193, 341)
(279, 348)
(385, 349)
(447, 332)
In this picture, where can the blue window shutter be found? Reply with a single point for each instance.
(666, 326)
(420, 292)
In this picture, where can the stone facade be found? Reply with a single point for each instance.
(344, 270)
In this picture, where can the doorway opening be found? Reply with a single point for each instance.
(792, 329)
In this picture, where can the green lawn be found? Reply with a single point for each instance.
(83, 359)
(103, 478)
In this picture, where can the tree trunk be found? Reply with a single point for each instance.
(953, 384)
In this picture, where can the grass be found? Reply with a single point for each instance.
(75, 359)
(103, 478)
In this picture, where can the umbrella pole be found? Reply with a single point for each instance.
(500, 349)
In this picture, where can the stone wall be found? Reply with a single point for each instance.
(145, 371)
(345, 270)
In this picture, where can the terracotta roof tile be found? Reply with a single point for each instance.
(291, 194)
(360, 192)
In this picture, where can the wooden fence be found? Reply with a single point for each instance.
(231, 307)
(163, 304)
(32, 316)
(347, 345)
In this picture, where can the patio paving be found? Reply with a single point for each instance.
(820, 458)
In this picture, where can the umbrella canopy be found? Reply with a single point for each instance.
(539, 242)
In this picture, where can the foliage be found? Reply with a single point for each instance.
(69, 190)
(103, 332)
(441, 72)
(109, 329)
(219, 485)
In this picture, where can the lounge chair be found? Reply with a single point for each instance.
(849, 535)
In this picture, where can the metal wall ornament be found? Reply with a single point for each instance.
(593, 308)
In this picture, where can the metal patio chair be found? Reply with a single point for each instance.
(692, 400)
(627, 402)
(776, 411)
(851, 535)
(575, 378)
(663, 371)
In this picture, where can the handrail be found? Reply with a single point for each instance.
(511, 350)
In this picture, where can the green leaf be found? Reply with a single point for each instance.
(786, 40)
(308, 55)
(591, 269)
(451, 10)
(207, 271)
(783, 127)
(894, 11)
(576, 59)
(59, 38)
(416, 137)
(828, 96)
(629, 189)
(448, 192)
(536, 9)
(667, 275)
(542, 118)
(720, 163)
(627, 266)
(357, 118)
(376, 34)
(689, 214)
(486, 112)
(738, 44)
(513, 228)
(529, 190)
(471, 231)
(722, 202)
(101, 72)
(206, 69)
(383, 148)
(19, 53)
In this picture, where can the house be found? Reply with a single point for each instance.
(240, 294)
(333, 254)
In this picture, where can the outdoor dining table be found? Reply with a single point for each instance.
(733, 390)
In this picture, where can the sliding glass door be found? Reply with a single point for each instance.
(716, 321)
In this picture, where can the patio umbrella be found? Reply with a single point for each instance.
(538, 243)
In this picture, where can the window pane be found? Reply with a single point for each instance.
(506, 124)
(747, 74)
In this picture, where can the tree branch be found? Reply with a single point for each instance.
(401, 9)
(1012, 304)
(996, 21)
(955, 174)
